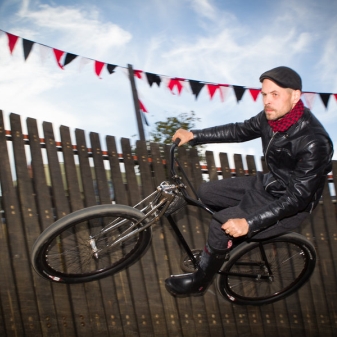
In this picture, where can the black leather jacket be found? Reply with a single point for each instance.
(298, 161)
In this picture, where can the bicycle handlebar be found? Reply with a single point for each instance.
(173, 147)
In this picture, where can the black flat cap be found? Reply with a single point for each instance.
(284, 77)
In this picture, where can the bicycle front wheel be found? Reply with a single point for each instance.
(91, 243)
(266, 271)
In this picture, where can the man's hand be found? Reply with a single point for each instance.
(236, 227)
(184, 135)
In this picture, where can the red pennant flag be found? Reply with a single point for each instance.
(335, 96)
(254, 93)
(12, 40)
(138, 73)
(141, 106)
(58, 54)
(98, 67)
(212, 88)
(176, 82)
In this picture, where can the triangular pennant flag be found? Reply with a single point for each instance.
(239, 91)
(12, 40)
(138, 73)
(254, 93)
(196, 87)
(309, 98)
(223, 88)
(44, 51)
(27, 47)
(69, 58)
(111, 68)
(84, 61)
(153, 78)
(141, 106)
(58, 54)
(325, 99)
(98, 67)
(176, 82)
(212, 88)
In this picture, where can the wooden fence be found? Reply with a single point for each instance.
(133, 302)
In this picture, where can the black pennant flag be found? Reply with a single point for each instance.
(111, 68)
(153, 78)
(325, 99)
(69, 57)
(27, 47)
(239, 91)
(196, 87)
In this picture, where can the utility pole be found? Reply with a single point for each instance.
(136, 103)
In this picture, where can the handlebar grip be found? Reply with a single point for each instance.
(177, 141)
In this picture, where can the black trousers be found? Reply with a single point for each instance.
(237, 198)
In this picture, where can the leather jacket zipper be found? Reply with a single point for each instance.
(272, 182)
(274, 133)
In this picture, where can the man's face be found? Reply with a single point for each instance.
(278, 101)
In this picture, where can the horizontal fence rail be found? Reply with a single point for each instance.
(43, 180)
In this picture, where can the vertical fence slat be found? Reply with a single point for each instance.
(251, 165)
(137, 278)
(196, 234)
(153, 263)
(325, 227)
(29, 215)
(241, 312)
(211, 167)
(224, 163)
(162, 253)
(239, 170)
(109, 285)
(185, 313)
(87, 182)
(323, 264)
(310, 300)
(9, 299)
(120, 192)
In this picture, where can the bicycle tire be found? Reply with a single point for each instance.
(245, 278)
(63, 253)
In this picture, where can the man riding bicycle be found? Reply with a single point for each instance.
(298, 152)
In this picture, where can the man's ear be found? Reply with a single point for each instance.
(296, 96)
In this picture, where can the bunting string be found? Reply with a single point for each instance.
(175, 84)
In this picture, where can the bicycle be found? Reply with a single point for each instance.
(101, 240)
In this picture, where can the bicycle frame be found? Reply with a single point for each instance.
(157, 204)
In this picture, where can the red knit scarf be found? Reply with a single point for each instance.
(289, 119)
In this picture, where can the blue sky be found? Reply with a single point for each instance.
(218, 41)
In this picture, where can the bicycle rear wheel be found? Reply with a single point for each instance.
(90, 244)
(266, 271)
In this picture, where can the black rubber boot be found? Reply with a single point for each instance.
(196, 283)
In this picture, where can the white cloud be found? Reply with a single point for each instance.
(204, 8)
(79, 30)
